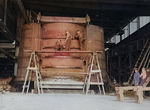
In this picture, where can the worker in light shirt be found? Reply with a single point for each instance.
(79, 35)
(143, 76)
(68, 41)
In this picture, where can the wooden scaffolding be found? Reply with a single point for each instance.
(33, 68)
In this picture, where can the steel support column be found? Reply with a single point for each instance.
(119, 65)
(138, 22)
(5, 10)
(130, 62)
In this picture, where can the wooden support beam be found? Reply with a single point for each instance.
(7, 45)
(63, 72)
(138, 94)
(62, 86)
(109, 45)
(78, 52)
(96, 83)
(4, 41)
(2, 56)
(62, 83)
(7, 53)
(119, 70)
(85, 20)
(120, 96)
(125, 88)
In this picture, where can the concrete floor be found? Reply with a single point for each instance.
(17, 101)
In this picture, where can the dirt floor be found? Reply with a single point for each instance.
(51, 101)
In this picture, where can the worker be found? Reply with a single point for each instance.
(68, 41)
(79, 36)
(136, 77)
(143, 76)
(58, 45)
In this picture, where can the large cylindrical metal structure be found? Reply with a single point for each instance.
(29, 41)
(95, 42)
(53, 65)
(45, 37)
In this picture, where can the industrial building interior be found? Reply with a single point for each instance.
(36, 56)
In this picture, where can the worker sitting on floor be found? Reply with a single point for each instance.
(136, 77)
(143, 76)
(68, 41)
(79, 36)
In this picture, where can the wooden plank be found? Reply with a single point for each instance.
(95, 71)
(146, 88)
(63, 63)
(63, 72)
(32, 68)
(7, 53)
(63, 19)
(62, 83)
(131, 88)
(96, 83)
(62, 87)
(125, 88)
(6, 80)
(78, 52)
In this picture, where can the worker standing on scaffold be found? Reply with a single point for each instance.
(79, 36)
(68, 41)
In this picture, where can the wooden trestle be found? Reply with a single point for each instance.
(137, 89)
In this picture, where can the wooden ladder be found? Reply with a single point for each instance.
(90, 70)
(33, 67)
(142, 60)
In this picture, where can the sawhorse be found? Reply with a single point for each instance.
(90, 71)
(33, 67)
